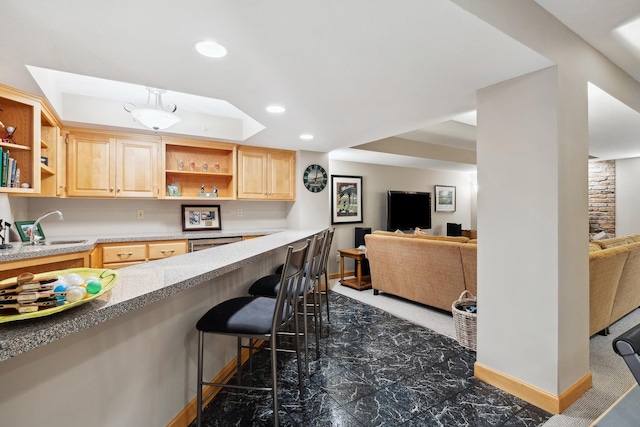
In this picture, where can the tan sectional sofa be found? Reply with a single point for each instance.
(435, 270)
(431, 270)
(614, 280)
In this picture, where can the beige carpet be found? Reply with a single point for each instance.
(611, 377)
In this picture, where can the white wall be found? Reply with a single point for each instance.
(377, 179)
(627, 196)
(311, 210)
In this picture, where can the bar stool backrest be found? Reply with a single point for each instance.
(290, 285)
(326, 250)
(315, 260)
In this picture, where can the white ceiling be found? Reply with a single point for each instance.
(350, 73)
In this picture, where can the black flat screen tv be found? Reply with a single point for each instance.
(408, 209)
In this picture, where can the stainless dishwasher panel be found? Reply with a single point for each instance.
(200, 244)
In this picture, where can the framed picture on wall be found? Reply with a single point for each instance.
(199, 217)
(346, 199)
(445, 199)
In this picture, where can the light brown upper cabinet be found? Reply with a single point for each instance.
(112, 165)
(53, 158)
(22, 112)
(266, 174)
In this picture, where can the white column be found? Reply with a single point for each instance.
(533, 280)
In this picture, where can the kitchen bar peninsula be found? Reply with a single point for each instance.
(129, 357)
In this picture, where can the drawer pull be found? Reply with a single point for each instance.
(168, 250)
(124, 253)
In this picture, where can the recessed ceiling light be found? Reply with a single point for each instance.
(275, 109)
(211, 49)
(306, 136)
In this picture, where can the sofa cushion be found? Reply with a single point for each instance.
(594, 247)
(456, 239)
(392, 233)
(634, 237)
(614, 242)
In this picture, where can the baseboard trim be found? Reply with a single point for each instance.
(189, 412)
(531, 394)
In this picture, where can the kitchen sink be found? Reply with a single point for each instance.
(64, 242)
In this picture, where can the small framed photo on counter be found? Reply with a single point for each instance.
(201, 217)
(24, 230)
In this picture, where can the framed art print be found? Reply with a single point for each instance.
(346, 199)
(445, 199)
(201, 217)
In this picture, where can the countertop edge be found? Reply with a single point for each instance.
(21, 251)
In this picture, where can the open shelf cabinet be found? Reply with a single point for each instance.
(184, 163)
(21, 111)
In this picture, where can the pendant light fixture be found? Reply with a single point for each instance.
(154, 115)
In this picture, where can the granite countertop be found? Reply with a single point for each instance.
(21, 251)
(140, 285)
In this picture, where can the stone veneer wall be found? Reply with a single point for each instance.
(602, 197)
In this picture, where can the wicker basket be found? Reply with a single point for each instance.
(465, 321)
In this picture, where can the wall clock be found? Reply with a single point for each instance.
(315, 178)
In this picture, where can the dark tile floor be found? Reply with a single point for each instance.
(375, 370)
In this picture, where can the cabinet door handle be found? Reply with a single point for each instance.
(168, 250)
(124, 253)
(118, 190)
(111, 189)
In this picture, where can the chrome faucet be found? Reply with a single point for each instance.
(33, 239)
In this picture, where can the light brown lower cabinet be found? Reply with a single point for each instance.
(252, 237)
(44, 264)
(123, 254)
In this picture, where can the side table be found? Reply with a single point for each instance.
(357, 282)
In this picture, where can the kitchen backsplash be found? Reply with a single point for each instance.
(98, 217)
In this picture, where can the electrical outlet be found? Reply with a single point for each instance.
(140, 214)
(239, 212)
(338, 258)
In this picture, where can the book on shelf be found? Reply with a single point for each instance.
(11, 178)
(5, 167)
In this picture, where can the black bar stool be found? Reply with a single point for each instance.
(268, 286)
(257, 318)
